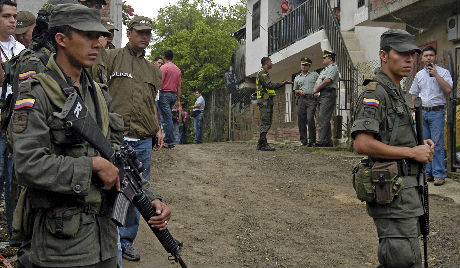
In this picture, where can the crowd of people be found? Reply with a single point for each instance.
(54, 180)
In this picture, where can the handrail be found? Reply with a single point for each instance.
(310, 17)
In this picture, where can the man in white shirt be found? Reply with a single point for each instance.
(9, 48)
(433, 84)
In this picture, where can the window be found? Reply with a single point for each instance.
(361, 3)
(256, 21)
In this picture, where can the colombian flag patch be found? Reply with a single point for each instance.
(26, 75)
(24, 103)
(372, 102)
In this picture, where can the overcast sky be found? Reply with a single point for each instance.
(150, 8)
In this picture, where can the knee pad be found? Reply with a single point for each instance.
(399, 252)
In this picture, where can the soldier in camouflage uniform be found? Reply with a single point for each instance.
(383, 129)
(265, 94)
(63, 214)
(326, 87)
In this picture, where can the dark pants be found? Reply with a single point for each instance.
(266, 114)
(306, 113)
(327, 101)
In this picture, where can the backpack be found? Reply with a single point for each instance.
(11, 78)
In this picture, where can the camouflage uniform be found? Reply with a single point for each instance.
(397, 223)
(265, 94)
(63, 217)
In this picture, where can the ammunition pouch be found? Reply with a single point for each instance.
(264, 98)
(63, 222)
(378, 182)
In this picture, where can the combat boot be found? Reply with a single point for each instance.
(260, 144)
(266, 147)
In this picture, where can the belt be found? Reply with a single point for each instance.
(407, 167)
(434, 108)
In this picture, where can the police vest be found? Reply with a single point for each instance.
(260, 88)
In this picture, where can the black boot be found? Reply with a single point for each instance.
(260, 144)
(266, 147)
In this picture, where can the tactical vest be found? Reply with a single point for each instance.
(58, 98)
(260, 88)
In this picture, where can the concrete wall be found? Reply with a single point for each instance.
(438, 34)
(370, 40)
(258, 48)
(30, 5)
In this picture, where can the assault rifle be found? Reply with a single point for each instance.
(425, 218)
(130, 169)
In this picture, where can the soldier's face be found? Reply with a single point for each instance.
(82, 49)
(139, 39)
(398, 63)
(26, 38)
(8, 20)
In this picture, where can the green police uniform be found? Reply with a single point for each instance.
(387, 116)
(306, 106)
(133, 83)
(327, 102)
(62, 216)
(265, 94)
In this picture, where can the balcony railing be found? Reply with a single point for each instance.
(310, 17)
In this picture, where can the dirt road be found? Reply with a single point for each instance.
(234, 206)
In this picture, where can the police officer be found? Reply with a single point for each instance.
(383, 129)
(24, 27)
(326, 87)
(110, 26)
(63, 215)
(265, 94)
(304, 83)
(133, 83)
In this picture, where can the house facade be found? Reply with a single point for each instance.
(350, 28)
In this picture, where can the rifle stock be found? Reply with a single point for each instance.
(424, 219)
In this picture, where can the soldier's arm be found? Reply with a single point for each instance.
(267, 83)
(35, 165)
(366, 132)
(29, 68)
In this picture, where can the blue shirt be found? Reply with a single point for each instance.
(428, 89)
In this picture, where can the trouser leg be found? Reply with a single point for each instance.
(312, 102)
(326, 108)
(399, 243)
(302, 119)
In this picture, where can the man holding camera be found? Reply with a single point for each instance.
(433, 84)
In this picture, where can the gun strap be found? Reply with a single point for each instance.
(69, 89)
(398, 98)
(75, 112)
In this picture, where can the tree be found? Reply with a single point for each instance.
(200, 34)
(127, 13)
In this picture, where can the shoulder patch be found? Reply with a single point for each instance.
(26, 75)
(19, 121)
(24, 103)
(372, 102)
(372, 86)
(264, 74)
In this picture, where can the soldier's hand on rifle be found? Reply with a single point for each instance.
(423, 153)
(163, 215)
(107, 172)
